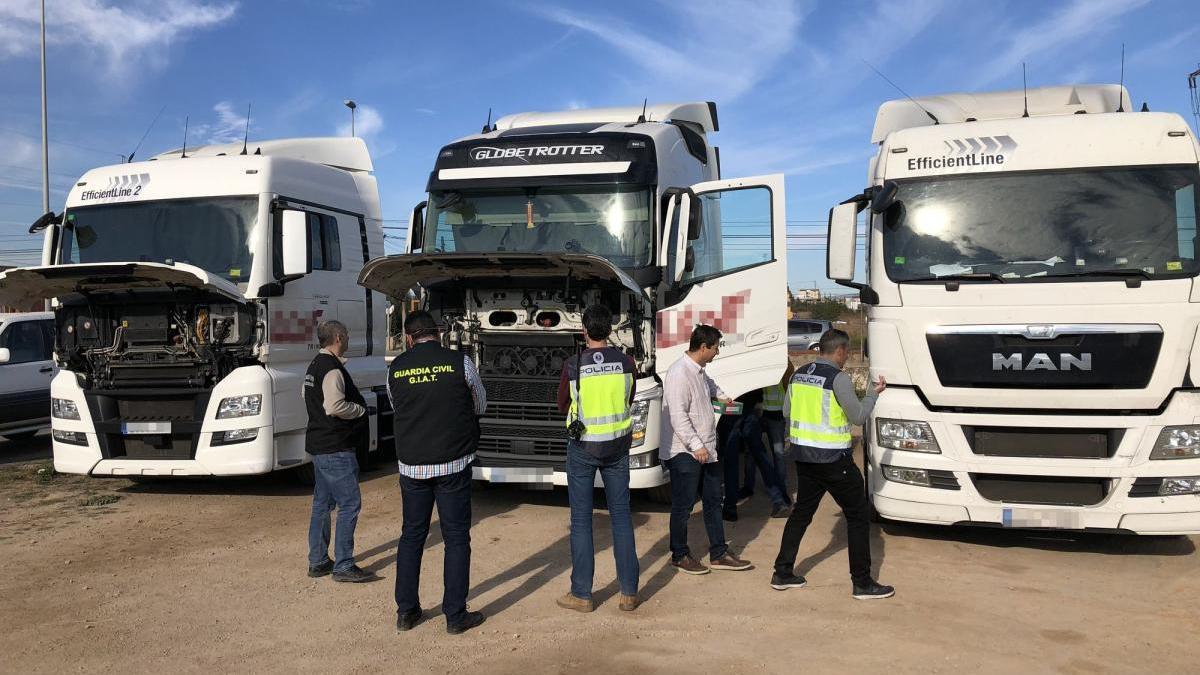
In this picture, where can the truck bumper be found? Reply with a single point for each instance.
(237, 459)
(962, 473)
(639, 479)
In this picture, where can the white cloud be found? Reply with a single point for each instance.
(713, 52)
(125, 35)
(367, 122)
(229, 127)
(576, 104)
(1075, 21)
(425, 111)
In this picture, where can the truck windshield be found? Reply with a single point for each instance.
(1032, 225)
(609, 221)
(211, 233)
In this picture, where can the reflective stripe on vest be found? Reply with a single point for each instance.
(816, 418)
(773, 398)
(605, 389)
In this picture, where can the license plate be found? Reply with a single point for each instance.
(130, 428)
(522, 475)
(1054, 518)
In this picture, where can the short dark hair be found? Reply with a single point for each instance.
(597, 322)
(328, 330)
(420, 323)
(704, 335)
(832, 339)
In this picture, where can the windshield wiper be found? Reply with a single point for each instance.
(973, 276)
(1122, 272)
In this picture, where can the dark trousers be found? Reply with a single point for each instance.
(747, 433)
(452, 494)
(688, 475)
(843, 480)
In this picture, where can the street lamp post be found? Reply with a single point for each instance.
(351, 105)
(45, 139)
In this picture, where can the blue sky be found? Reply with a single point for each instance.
(789, 77)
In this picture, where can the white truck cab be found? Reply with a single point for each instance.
(187, 290)
(544, 213)
(1033, 304)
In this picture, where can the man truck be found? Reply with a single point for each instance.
(187, 290)
(545, 213)
(1033, 304)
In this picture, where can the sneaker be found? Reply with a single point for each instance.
(571, 601)
(409, 620)
(730, 562)
(742, 499)
(355, 575)
(629, 602)
(321, 570)
(781, 581)
(689, 565)
(781, 511)
(872, 591)
(470, 620)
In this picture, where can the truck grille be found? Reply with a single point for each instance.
(524, 412)
(1050, 443)
(185, 412)
(515, 390)
(1056, 490)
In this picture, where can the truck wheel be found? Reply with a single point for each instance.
(305, 474)
(660, 494)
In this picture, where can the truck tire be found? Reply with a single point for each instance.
(660, 494)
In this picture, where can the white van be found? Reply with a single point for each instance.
(26, 368)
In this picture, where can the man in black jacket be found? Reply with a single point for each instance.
(437, 399)
(336, 415)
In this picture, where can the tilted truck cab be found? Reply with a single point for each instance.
(1033, 305)
(543, 214)
(187, 290)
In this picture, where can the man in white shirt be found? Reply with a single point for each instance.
(688, 448)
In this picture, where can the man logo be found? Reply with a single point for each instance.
(598, 357)
(1041, 361)
(812, 368)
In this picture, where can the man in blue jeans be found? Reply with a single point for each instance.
(688, 446)
(747, 433)
(336, 423)
(596, 391)
(437, 399)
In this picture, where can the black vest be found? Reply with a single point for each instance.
(432, 405)
(325, 434)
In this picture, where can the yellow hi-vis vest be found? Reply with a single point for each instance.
(773, 398)
(600, 381)
(816, 420)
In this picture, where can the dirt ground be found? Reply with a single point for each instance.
(200, 576)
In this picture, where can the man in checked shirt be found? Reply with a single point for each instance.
(437, 399)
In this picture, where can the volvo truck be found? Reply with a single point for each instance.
(1033, 305)
(186, 292)
(544, 213)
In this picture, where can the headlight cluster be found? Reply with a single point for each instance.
(640, 413)
(1171, 487)
(905, 435)
(64, 409)
(1177, 443)
(72, 437)
(234, 436)
(899, 474)
(239, 406)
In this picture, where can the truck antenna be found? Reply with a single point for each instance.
(904, 93)
(246, 136)
(139, 143)
(1025, 89)
(642, 118)
(1121, 89)
(487, 126)
(1195, 95)
(183, 152)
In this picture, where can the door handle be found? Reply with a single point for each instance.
(47, 369)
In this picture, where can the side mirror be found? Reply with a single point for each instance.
(297, 254)
(689, 260)
(694, 220)
(5, 355)
(416, 228)
(46, 220)
(843, 231)
(884, 196)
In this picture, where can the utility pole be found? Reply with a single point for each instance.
(45, 138)
(351, 105)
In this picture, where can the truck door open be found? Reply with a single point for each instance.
(724, 248)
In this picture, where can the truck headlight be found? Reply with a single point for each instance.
(643, 460)
(639, 412)
(239, 406)
(1189, 485)
(72, 437)
(64, 409)
(234, 436)
(899, 474)
(906, 435)
(1177, 443)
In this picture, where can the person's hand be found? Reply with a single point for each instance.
(701, 455)
(880, 385)
(726, 401)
